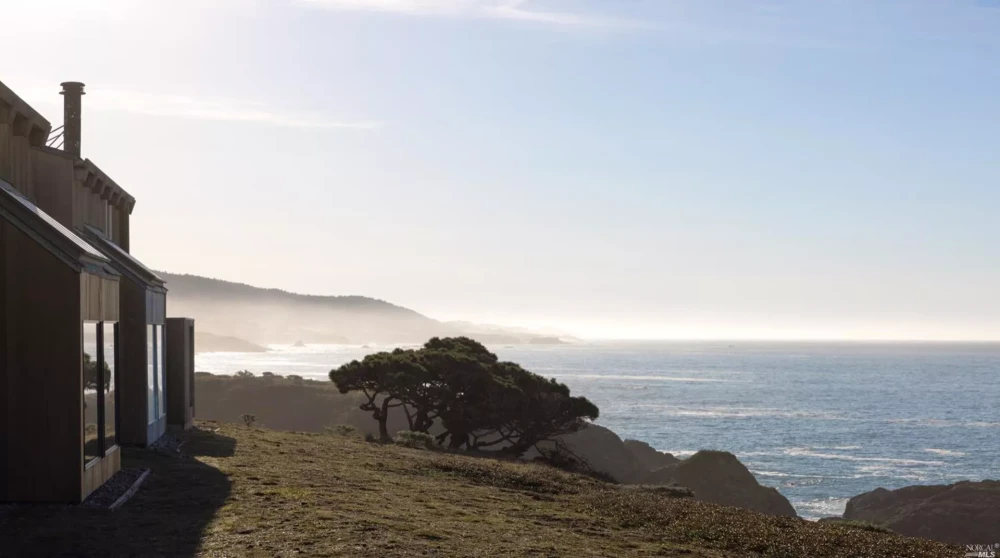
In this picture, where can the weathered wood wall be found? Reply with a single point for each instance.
(132, 373)
(54, 184)
(180, 372)
(43, 386)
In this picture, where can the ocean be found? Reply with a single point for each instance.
(821, 422)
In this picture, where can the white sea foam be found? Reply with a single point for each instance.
(881, 470)
(825, 507)
(679, 453)
(639, 378)
(949, 453)
(808, 452)
(944, 423)
(735, 412)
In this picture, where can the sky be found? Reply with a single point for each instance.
(689, 169)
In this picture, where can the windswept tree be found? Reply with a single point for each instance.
(459, 385)
(380, 377)
(540, 410)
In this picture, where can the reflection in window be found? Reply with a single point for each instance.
(150, 374)
(93, 379)
(162, 402)
(110, 355)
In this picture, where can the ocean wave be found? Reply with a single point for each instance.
(944, 423)
(737, 412)
(950, 453)
(824, 507)
(779, 474)
(808, 452)
(682, 454)
(641, 378)
(889, 471)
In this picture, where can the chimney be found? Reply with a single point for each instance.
(72, 107)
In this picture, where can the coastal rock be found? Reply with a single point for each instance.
(718, 477)
(647, 457)
(961, 513)
(604, 452)
(713, 476)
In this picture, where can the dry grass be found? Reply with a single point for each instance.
(250, 491)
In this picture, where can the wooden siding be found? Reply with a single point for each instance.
(43, 373)
(21, 130)
(15, 150)
(156, 308)
(180, 372)
(99, 298)
(132, 360)
(6, 133)
(54, 184)
(100, 471)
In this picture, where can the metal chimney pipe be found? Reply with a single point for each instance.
(72, 108)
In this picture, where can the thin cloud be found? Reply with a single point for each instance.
(223, 110)
(514, 10)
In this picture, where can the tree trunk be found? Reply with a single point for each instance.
(383, 419)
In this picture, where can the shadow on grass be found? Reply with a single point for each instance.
(166, 517)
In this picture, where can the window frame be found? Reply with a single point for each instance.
(103, 448)
(152, 415)
(114, 381)
(98, 399)
(161, 402)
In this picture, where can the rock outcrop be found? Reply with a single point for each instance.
(713, 476)
(718, 477)
(961, 513)
(647, 457)
(604, 452)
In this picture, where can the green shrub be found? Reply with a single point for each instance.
(345, 430)
(857, 524)
(419, 440)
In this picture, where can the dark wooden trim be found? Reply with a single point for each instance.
(3, 359)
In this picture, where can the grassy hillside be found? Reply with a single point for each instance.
(242, 491)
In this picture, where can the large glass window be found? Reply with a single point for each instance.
(162, 401)
(100, 404)
(110, 355)
(151, 360)
(92, 385)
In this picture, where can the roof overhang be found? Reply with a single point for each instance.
(123, 262)
(26, 121)
(57, 239)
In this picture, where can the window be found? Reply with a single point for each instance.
(100, 404)
(151, 360)
(162, 401)
(110, 355)
(91, 393)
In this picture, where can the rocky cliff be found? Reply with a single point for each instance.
(961, 513)
(713, 476)
(718, 477)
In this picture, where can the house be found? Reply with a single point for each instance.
(83, 342)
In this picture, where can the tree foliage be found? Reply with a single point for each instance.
(462, 390)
